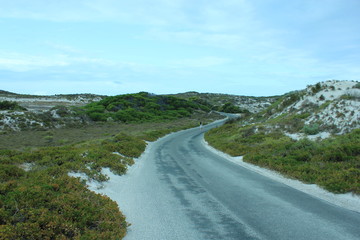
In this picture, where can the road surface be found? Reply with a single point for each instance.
(181, 190)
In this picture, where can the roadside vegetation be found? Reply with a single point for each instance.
(263, 139)
(333, 163)
(39, 199)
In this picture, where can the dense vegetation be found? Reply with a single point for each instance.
(141, 107)
(35, 205)
(8, 105)
(45, 203)
(231, 108)
(129, 108)
(221, 102)
(39, 200)
(332, 163)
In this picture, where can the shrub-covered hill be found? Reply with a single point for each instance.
(142, 107)
(128, 108)
(311, 135)
(238, 104)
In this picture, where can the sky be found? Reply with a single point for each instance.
(111, 47)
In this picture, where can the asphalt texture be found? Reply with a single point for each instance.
(181, 190)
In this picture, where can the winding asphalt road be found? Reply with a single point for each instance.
(181, 190)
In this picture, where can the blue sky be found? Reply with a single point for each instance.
(244, 47)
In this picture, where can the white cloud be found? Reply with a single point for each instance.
(62, 87)
(203, 62)
(20, 63)
(228, 41)
(253, 40)
(212, 14)
(45, 10)
(64, 48)
(137, 11)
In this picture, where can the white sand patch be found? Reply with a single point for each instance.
(298, 136)
(114, 179)
(27, 166)
(295, 136)
(321, 135)
(348, 200)
(331, 90)
(344, 114)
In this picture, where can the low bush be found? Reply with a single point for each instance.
(126, 145)
(311, 129)
(38, 206)
(231, 108)
(45, 203)
(8, 105)
(317, 88)
(282, 103)
(332, 163)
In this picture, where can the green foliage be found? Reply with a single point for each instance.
(357, 85)
(44, 203)
(311, 129)
(317, 88)
(283, 102)
(38, 200)
(62, 111)
(324, 105)
(155, 134)
(126, 145)
(142, 107)
(38, 206)
(333, 163)
(290, 99)
(8, 105)
(231, 108)
(10, 172)
(291, 122)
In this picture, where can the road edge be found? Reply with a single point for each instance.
(348, 200)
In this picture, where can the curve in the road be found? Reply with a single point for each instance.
(181, 190)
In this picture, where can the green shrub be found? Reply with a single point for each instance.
(332, 163)
(44, 203)
(142, 107)
(311, 129)
(230, 108)
(10, 172)
(128, 145)
(42, 207)
(317, 88)
(8, 105)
